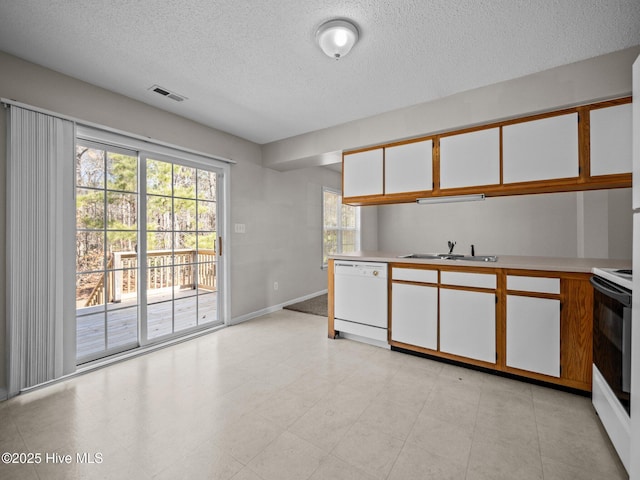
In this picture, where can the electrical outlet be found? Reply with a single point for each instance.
(275, 285)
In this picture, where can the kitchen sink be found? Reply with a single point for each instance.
(431, 256)
(451, 256)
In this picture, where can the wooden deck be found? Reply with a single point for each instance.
(190, 309)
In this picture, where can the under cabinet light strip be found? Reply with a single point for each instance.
(451, 199)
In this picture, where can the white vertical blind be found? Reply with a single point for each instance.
(40, 209)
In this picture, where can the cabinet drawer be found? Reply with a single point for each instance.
(533, 284)
(463, 279)
(415, 275)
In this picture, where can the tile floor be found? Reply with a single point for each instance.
(275, 399)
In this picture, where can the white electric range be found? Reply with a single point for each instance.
(622, 277)
(611, 392)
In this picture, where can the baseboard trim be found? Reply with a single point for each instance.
(274, 308)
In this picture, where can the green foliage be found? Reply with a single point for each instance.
(180, 207)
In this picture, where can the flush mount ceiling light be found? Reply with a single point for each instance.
(337, 37)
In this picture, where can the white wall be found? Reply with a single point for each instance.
(582, 224)
(281, 210)
(283, 217)
(602, 77)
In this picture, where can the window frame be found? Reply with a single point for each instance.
(339, 227)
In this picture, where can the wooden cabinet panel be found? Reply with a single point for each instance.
(470, 159)
(362, 173)
(610, 132)
(576, 330)
(468, 324)
(541, 149)
(533, 334)
(540, 153)
(409, 167)
(538, 331)
(414, 315)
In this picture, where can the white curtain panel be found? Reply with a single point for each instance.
(40, 248)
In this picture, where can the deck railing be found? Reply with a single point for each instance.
(191, 269)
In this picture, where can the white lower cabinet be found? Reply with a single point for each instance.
(414, 315)
(533, 334)
(468, 324)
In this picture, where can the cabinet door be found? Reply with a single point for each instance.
(468, 324)
(414, 315)
(470, 159)
(533, 334)
(408, 167)
(610, 130)
(362, 173)
(541, 149)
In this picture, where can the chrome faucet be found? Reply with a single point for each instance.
(451, 245)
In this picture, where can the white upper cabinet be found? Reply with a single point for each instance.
(408, 167)
(541, 149)
(470, 159)
(610, 132)
(362, 173)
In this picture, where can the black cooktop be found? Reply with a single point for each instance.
(625, 271)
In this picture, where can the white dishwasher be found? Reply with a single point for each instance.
(360, 301)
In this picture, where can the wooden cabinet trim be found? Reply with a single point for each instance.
(436, 167)
(467, 289)
(584, 180)
(416, 266)
(576, 321)
(331, 299)
(525, 293)
(527, 118)
(584, 145)
(466, 269)
(411, 282)
(576, 330)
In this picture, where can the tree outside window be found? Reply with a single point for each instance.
(340, 225)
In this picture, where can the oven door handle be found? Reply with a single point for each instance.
(609, 290)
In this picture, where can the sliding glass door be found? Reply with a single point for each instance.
(146, 260)
(181, 237)
(107, 230)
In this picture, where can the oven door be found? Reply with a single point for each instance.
(612, 337)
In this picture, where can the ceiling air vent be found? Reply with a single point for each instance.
(166, 93)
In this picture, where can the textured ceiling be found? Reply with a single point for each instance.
(252, 68)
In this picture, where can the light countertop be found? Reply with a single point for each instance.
(554, 264)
